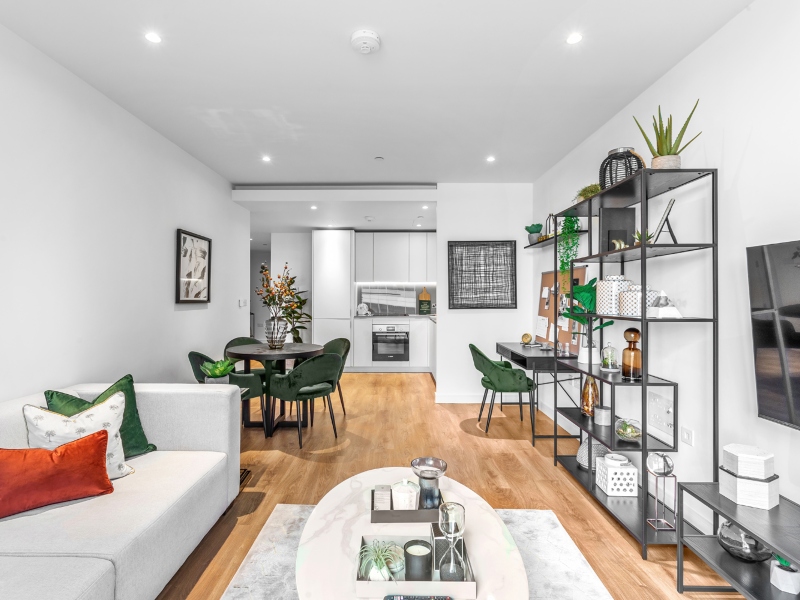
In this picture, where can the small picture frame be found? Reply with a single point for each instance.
(663, 221)
(193, 268)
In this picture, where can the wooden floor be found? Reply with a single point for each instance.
(391, 419)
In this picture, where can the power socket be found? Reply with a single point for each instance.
(687, 436)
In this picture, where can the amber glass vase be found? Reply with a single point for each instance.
(632, 356)
(590, 396)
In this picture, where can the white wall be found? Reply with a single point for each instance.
(260, 312)
(91, 198)
(744, 79)
(479, 212)
(295, 249)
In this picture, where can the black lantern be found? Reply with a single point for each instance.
(618, 165)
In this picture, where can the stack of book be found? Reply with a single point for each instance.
(747, 476)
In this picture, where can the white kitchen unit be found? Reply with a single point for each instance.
(365, 262)
(417, 256)
(420, 328)
(432, 345)
(361, 350)
(332, 286)
(430, 258)
(418, 342)
(390, 256)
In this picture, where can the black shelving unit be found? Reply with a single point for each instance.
(778, 529)
(549, 241)
(638, 189)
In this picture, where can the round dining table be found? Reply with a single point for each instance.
(269, 356)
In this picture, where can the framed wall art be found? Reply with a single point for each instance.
(193, 270)
(482, 274)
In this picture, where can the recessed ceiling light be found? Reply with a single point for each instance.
(419, 224)
(313, 208)
(424, 208)
(251, 239)
(490, 159)
(153, 37)
(574, 38)
(266, 158)
(378, 158)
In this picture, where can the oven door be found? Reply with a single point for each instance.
(390, 346)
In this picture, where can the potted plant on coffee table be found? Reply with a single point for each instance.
(377, 559)
(217, 372)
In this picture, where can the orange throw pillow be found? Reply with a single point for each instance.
(34, 477)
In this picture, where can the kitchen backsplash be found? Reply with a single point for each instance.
(393, 300)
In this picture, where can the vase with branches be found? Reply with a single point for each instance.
(286, 306)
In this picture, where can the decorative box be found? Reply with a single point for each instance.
(608, 291)
(617, 476)
(748, 461)
(758, 493)
(466, 590)
(429, 515)
(602, 416)
(630, 301)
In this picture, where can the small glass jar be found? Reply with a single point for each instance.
(609, 361)
(632, 356)
(628, 430)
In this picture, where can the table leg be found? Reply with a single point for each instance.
(280, 418)
(246, 420)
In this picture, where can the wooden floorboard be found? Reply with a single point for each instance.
(391, 419)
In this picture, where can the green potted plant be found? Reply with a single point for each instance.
(784, 576)
(217, 372)
(534, 232)
(666, 152)
(588, 191)
(379, 560)
(285, 303)
(637, 238)
(584, 301)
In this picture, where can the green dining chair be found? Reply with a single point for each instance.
(246, 341)
(314, 378)
(251, 382)
(500, 376)
(341, 347)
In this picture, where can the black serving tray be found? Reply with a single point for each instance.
(428, 515)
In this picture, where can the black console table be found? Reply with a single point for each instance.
(538, 360)
(778, 529)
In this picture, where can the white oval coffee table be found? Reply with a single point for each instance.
(326, 556)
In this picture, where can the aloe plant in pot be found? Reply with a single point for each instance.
(666, 152)
(217, 372)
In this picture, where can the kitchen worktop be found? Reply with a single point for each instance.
(393, 316)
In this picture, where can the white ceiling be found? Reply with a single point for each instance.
(291, 216)
(455, 81)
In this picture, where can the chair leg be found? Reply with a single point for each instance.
(264, 414)
(491, 406)
(311, 416)
(533, 423)
(274, 406)
(501, 401)
(299, 425)
(291, 408)
(480, 414)
(341, 398)
(520, 406)
(333, 421)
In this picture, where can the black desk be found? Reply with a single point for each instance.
(538, 360)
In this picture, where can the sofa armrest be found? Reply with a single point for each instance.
(188, 417)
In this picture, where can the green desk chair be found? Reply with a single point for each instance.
(341, 347)
(314, 378)
(499, 376)
(249, 381)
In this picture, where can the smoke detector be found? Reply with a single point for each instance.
(369, 219)
(365, 41)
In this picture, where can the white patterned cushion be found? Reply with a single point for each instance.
(50, 430)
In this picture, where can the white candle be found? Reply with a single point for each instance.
(418, 550)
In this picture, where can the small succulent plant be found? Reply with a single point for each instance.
(217, 369)
(589, 191)
(535, 228)
(637, 237)
(378, 555)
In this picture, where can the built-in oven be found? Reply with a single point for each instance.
(389, 342)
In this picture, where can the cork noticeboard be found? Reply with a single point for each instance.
(566, 335)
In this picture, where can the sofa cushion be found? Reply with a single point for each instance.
(147, 527)
(134, 441)
(61, 577)
(47, 429)
(13, 433)
(35, 477)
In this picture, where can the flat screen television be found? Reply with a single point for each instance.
(774, 277)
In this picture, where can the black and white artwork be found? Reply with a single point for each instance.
(482, 274)
(193, 279)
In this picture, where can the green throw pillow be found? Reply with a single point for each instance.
(134, 441)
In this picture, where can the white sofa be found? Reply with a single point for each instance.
(127, 545)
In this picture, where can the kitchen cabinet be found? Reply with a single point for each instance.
(365, 256)
(362, 342)
(332, 273)
(325, 330)
(390, 256)
(432, 347)
(417, 253)
(418, 343)
(430, 256)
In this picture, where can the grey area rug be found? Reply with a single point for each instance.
(556, 568)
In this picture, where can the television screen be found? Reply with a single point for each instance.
(774, 276)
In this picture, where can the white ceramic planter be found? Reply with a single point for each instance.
(672, 161)
(583, 355)
(786, 581)
(379, 575)
(218, 380)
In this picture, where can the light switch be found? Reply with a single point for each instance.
(687, 436)
(242, 303)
